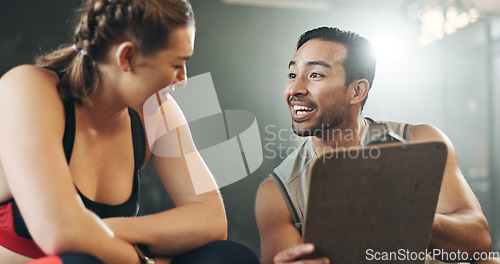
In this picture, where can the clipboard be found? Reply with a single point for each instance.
(379, 198)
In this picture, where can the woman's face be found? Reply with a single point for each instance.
(163, 68)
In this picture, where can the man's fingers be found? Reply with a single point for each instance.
(163, 260)
(293, 253)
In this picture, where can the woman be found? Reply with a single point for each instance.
(89, 96)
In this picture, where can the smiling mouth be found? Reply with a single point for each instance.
(166, 92)
(301, 112)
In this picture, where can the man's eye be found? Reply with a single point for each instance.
(316, 75)
(178, 67)
(292, 76)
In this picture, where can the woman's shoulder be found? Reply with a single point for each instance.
(28, 89)
(29, 79)
(28, 74)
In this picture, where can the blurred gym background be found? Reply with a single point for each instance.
(438, 63)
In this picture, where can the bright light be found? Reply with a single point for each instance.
(435, 22)
(387, 48)
(474, 14)
(432, 22)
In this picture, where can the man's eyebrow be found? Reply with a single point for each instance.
(320, 63)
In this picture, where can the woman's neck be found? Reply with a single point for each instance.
(104, 107)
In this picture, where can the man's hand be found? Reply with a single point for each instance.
(163, 260)
(291, 255)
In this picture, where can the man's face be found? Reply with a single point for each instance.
(316, 92)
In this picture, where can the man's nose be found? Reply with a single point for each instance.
(297, 87)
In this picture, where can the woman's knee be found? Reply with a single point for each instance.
(220, 252)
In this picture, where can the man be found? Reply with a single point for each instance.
(330, 76)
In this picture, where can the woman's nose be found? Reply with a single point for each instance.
(181, 78)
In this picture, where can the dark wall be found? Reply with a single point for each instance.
(29, 28)
(494, 126)
(470, 66)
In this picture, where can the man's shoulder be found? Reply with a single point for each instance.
(421, 132)
(414, 133)
(392, 124)
(297, 161)
(384, 131)
(427, 132)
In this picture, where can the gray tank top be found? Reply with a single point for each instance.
(290, 175)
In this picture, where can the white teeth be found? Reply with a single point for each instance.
(301, 108)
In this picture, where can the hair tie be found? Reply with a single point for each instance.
(79, 50)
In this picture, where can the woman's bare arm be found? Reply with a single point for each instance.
(37, 173)
(198, 218)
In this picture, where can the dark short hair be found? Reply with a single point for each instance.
(360, 62)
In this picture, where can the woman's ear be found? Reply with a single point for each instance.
(125, 54)
(361, 89)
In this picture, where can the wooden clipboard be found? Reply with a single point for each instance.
(380, 198)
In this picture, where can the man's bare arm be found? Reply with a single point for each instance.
(280, 241)
(459, 223)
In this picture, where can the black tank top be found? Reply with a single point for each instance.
(128, 208)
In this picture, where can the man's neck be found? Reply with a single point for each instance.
(346, 135)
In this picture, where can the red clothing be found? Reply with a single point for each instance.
(9, 238)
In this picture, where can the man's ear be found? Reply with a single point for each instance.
(125, 55)
(361, 88)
